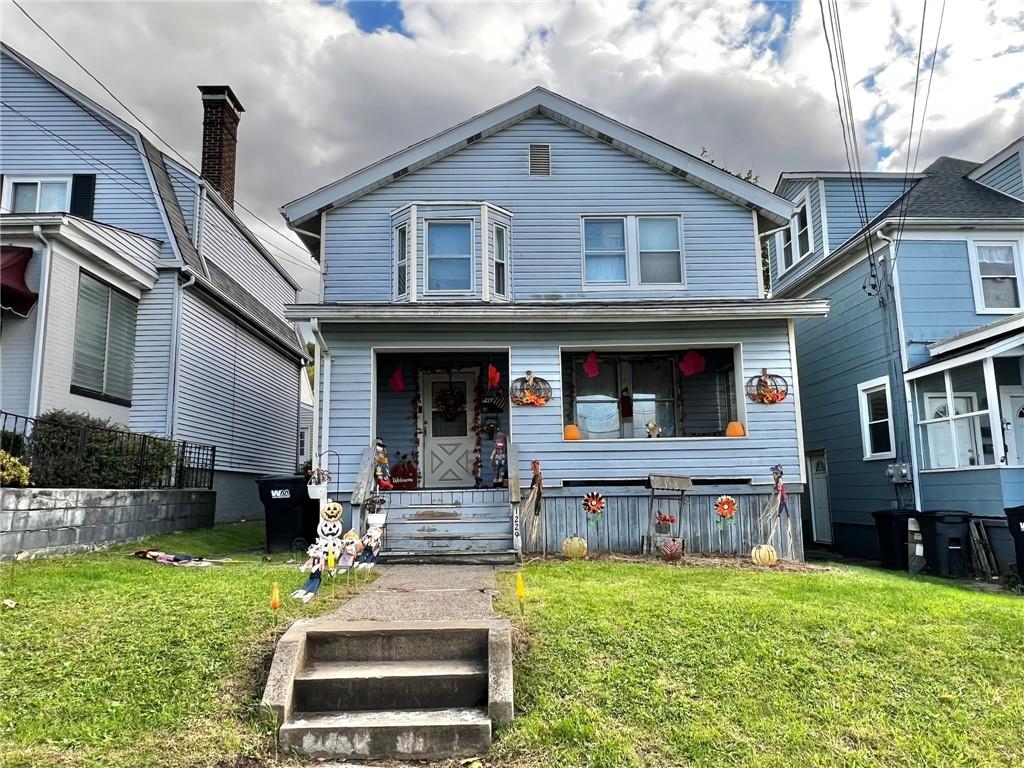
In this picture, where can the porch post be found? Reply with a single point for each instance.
(994, 416)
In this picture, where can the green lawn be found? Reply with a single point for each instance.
(112, 661)
(633, 664)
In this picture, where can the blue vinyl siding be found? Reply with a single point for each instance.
(86, 144)
(588, 177)
(843, 219)
(936, 295)
(791, 191)
(772, 430)
(835, 354)
(973, 490)
(1007, 177)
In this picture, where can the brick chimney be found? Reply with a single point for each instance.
(221, 112)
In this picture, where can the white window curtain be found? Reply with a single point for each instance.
(998, 273)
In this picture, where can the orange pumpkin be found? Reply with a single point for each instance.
(571, 432)
(735, 429)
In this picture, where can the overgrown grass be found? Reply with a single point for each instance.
(112, 661)
(632, 664)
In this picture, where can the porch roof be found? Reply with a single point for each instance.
(647, 311)
(999, 345)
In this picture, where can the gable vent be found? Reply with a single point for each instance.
(540, 159)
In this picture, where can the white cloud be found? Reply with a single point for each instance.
(323, 98)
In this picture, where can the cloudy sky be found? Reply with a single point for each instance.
(331, 87)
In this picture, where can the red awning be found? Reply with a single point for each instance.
(15, 295)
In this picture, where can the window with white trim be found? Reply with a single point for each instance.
(104, 342)
(953, 419)
(402, 259)
(449, 255)
(39, 195)
(876, 428)
(796, 241)
(996, 273)
(636, 251)
(500, 260)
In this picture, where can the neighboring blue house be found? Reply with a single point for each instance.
(149, 302)
(542, 238)
(912, 387)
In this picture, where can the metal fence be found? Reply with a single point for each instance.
(66, 453)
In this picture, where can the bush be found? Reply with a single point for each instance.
(13, 472)
(77, 450)
(13, 443)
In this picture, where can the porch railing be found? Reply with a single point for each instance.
(72, 455)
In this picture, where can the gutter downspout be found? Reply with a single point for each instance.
(38, 347)
(172, 386)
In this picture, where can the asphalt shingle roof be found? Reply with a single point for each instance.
(946, 192)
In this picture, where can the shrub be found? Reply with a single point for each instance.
(77, 450)
(12, 442)
(13, 472)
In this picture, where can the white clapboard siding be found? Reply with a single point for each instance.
(154, 341)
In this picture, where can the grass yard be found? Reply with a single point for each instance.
(634, 664)
(112, 661)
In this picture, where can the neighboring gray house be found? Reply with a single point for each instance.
(912, 387)
(544, 238)
(148, 301)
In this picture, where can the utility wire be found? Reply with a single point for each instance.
(152, 130)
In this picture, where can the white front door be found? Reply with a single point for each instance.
(821, 512)
(1011, 405)
(449, 445)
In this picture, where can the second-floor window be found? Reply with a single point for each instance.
(40, 195)
(104, 341)
(796, 241)
(996, 276)
(632, 251)
(500, 260)
(449, 256)
(402, 259)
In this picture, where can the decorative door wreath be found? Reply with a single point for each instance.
(450, 402)
(530, 390)
(767, 389)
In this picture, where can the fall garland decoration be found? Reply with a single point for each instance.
(767, 389)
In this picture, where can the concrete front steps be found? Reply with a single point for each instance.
(380, 690)
(467, 526)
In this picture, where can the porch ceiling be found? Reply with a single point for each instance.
(561, 311)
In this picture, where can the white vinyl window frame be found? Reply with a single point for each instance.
(503, 231)
(977, 278)
(865, 388)
(38, 180)
(948, 398)
(631, 227)
(474, 256)
(802, 202)
(401, 257)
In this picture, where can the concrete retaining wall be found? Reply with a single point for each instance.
(50, 521)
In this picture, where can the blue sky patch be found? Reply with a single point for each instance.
(377, 15)
(784, 8)
(1013, 93)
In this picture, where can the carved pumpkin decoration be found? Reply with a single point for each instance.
(332, 511)
(574, 548)
(672, 550)
(764, 555)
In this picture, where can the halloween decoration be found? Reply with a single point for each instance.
(777, 510)
(767, 389)
(653, 430)
(181, 561)
(764, 555)
(499, 460)
(450, 403)
(574, 548)
(534, 503)
(403, 476)
(663, 523)
(693, 362)
(625, 404)
(323, 553)
(396, 382)
(735, 429)
(672, 550)
(725, 508)
(370, 548)
(571, 432)
(490, 428)
(591, 367)
(493, 376)
(381, 470)
(593, 505)
(530, 390)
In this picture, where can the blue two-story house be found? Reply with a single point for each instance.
(544, 276)
(131, 289)
(912, 386)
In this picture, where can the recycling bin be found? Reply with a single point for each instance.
(891, 525)
(947, 541)
(291, 516)
(1015, 521)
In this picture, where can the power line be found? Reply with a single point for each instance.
(142, 122)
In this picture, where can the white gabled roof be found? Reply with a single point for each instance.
(540, 101)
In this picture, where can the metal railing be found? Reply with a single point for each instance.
(69, 454)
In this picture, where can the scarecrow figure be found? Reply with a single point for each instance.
(315, 566)
(381, 471)
(499, 460)
(371, 548)
(323, 553)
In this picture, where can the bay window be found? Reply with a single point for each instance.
(402, 259)
(632, 250)
(449, 255)
(611, 395)
(500, 260)
(953, 419)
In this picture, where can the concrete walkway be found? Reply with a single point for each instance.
(424, 593)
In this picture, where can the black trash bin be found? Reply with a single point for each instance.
(947, 541)
(291, 516)
(1015, 520)
(891, 525)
